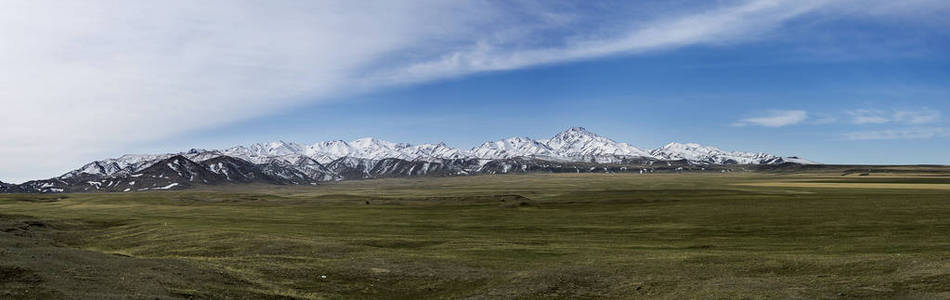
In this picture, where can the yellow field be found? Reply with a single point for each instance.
(889, 186)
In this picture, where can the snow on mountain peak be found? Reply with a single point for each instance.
(708, 154)
(512, 147)
(281, 148)
(577, 133)
(574, 144)
(580, 142)
(579, 130)
(680, 147)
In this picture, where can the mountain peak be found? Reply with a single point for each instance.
(374, 142)
(709, 154)
(576, 133)
(196, 151)
(577, 130)
(675, 145)
(580, 142)
(289, 160)
(278, 148)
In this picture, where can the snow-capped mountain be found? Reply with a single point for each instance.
(697, 153)
(131, 163)
(578, 143)
(708, 154)
(436, 151)
(6, 187)
(265, 152)
(573, 150)
(513, 147)
(326, 152)
(575, 144)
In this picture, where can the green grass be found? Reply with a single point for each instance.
(523, 236)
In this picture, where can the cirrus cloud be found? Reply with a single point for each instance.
(775, 118)
(877, 116)
(923, 116)
(900, 134)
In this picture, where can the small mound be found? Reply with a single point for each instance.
(399, 244)
(516, 201)
(14, 274)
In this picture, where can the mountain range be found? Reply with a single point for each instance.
(573, 150)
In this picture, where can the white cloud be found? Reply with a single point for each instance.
(823, 119)
(894, 134)
(80, 79)
(868, 116)
(924, 116)
(874, 116)
(775, 118)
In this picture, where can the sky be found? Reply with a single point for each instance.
(845, 81)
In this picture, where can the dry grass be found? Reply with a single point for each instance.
(519, 236)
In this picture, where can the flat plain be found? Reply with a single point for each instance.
(824, 233)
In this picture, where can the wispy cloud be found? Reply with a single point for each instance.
(868, 116)
(725, 24)
(775, 118)
(924, 116)
(894, 134)
(876, 116)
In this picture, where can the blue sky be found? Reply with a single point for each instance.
(696, 94)
(851, 81)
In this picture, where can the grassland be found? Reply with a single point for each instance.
(749, 235)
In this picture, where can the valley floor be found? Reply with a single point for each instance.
(824, 234)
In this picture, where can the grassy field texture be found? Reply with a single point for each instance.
(826, 234)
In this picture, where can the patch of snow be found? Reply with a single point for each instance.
(168, 186)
